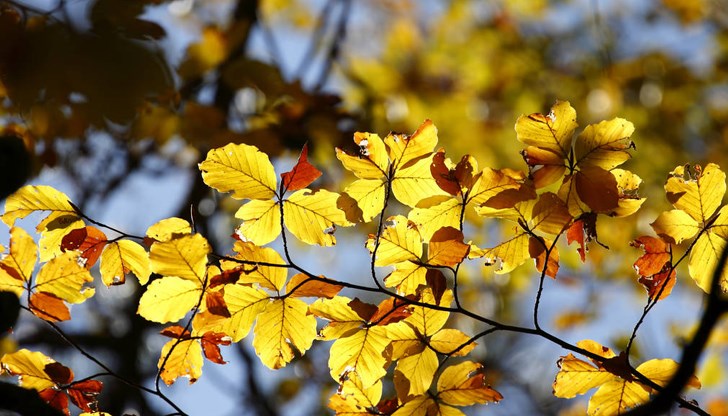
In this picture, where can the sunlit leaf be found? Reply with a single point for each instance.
(400, 241)
(184, 257)
(313, 216)
(464, 385)
(169, 299)
(302, 174)
(283, 330)
(185, 360)
(301, 286)
(30, 198)
(361, 352)
(89, 241)
(241, 169)
(168, 229)
(269, 277)
(29, 366)
(17, 266)
(122, 257)
(65, 278)
(261, 221)
(244, 303)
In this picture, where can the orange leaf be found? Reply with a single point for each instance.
(49, 307)
(657, 254)
(176, 331)
(655, 282)
(56, 398)
(446, 247)
(90, 241)
(363, 309)
(583, 231)
(389, 312)
(302, 174)
(84, 393)
(300, 286)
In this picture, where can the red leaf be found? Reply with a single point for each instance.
(56, 398)
(444, 177)
(216, 304)
(90, 241)
(59, 373)
(302, 174)
(176, 331)
(464, 172)
(49, 307)
(657, 254)
(84, 393)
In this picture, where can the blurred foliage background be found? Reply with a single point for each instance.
(97, 92)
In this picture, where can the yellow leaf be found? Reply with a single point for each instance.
(413, 185)
(313, 216)
(273, 278)
(169, 228)
(244, 304)
(17, 267)
(241, 169)
(464, 385)
(29, 366)
(206, 54)
(675, 226)
(697, 193)
(184, 361)
(577, 376)
(400, 241)
(511, 253)
(403, 149)
(627, 185)
(446, 247)
(448, 341)
(419, 369)
(283, 329)
(184, 257)
(342, 317)
(490, 183)
(168, 299)
(428, 321)
(406, 277)
(616, 397)
(704, 259)
(604, 144)
(52, 233)
(371, 163)
(122, 257)
(369, 196)
(420, 406)
(553, 132)
(261, 221)
(403, 339)
(65, 278)
(361, 352)
(352, 398)
(30, 198)
(429, 220)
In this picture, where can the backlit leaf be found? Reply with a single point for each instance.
(89, 241)
(269, 277)
(241, 169)
(168, 229)
(604, 144)
(353, 399)
(244, 303)
(400, 241)
(361, 352)
(185, 360)
(369, 196)
(29, 366)
(301, 286)
(553, 132)
(704, 259)
(313, 216)
(65, 278)
(698, 192)
(30, 198)
(302, 174)
(464, 385)
(446, 248)
(17, 266)
(261, 221)
(184, 257)
(48, 307)
(169, 299)
(283, 329)
(122, 257)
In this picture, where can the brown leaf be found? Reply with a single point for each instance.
(391, 310)
(90, 241)
(84, 393)
(363, 309)
(655, 283)
(537, 251)
(216, 305)
(59, 373)
(446, 247)
(619, 366)
(49, 307)
(444, 177)
(301, 286)
(211, 342)
(302, 174)
(582, 231)
(437, 282)
(597, 188)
